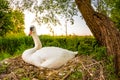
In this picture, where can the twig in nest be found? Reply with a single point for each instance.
(70, 72)
(67, 75)
(13, 76)
(94, 63)
(86, 69)
(101, 73)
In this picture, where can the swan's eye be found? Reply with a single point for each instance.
(31, 28)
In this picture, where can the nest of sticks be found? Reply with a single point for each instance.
(81, 67)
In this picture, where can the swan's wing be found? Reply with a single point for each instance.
(48, 63)
(52, 63)
(58, 61)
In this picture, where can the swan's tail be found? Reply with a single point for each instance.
(76, 52)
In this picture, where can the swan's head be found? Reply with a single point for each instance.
(32, 30)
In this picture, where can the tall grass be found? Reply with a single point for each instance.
(15, 45)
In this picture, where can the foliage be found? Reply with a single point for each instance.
(10, 45)
(110, 68)
(115, 13)
(5, 21)
(17, 19)
(25, 79)
(11, 20)
(110, 8)
(3, 68)
(76, 75)
(48, 10)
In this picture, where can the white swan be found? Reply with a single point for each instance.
(48, 57)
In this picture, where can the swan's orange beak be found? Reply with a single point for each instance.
(30, 33)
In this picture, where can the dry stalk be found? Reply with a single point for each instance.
(67, 75)
(70, 72)
(94, 63)
(86, 69)
(13, 76)
(101, 73)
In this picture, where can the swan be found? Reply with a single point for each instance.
(46, 57)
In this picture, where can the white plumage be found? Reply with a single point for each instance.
(48, 57)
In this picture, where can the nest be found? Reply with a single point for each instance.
(81, 67)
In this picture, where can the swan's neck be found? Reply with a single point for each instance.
(37, 41)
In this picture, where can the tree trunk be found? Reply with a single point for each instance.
(103, 30)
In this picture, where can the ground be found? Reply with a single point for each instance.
(81, 67)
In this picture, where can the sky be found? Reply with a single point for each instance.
(78, 28)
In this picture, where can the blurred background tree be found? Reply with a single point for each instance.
(10, 20)
(115, 11)
(110, 8)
